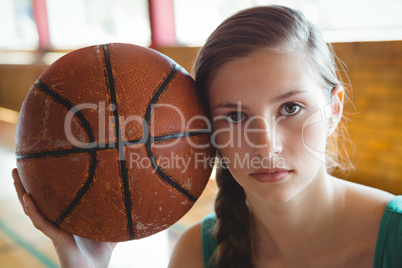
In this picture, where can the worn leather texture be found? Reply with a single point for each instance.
(106, 142)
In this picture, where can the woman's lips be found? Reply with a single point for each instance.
(270, 175)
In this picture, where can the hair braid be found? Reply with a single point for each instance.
(233, 226)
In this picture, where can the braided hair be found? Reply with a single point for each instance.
(232, 232)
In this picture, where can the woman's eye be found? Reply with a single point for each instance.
(289, 109)
(235, 117)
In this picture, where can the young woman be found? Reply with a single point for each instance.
(274, 100)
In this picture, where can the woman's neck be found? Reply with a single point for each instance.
(296, 228)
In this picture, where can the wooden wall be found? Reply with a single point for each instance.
(375, 73)
(15, 81)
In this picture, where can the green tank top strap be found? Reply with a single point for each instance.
(388, 252)
(208, 241)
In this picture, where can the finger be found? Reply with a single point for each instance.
(51, 230)
(19, 187)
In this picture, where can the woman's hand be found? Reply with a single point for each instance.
(73, 251)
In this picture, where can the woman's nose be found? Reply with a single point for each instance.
(263, 137)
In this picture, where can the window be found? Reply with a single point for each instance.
(77, 23)
(195, 20)
(339, 21)
(18, 29)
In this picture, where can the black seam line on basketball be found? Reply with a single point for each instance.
(182, 135)
(166, 178)
(159, 92)
(51, 153)
(124, 172)
(61, 152)
(106, 146)
(120, 144)
(112, 91)
(69, 106)
(82, 191)
(171, 136)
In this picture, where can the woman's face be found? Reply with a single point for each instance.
(269, 124)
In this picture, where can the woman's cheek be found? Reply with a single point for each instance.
(221, 136)
(231, 144)
(313, 137)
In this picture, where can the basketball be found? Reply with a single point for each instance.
(113, 142)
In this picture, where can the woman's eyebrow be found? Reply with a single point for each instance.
(287, 95)
(230, 105)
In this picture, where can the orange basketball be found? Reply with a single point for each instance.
(113, 142)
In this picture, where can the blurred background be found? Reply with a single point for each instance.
(366, 36)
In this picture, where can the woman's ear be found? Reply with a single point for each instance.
(336, 108)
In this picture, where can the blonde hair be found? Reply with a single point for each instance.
(276, 28)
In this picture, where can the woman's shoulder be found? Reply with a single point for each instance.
(364, 205)
(366, 210)
(188, 249)
(365, 196)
